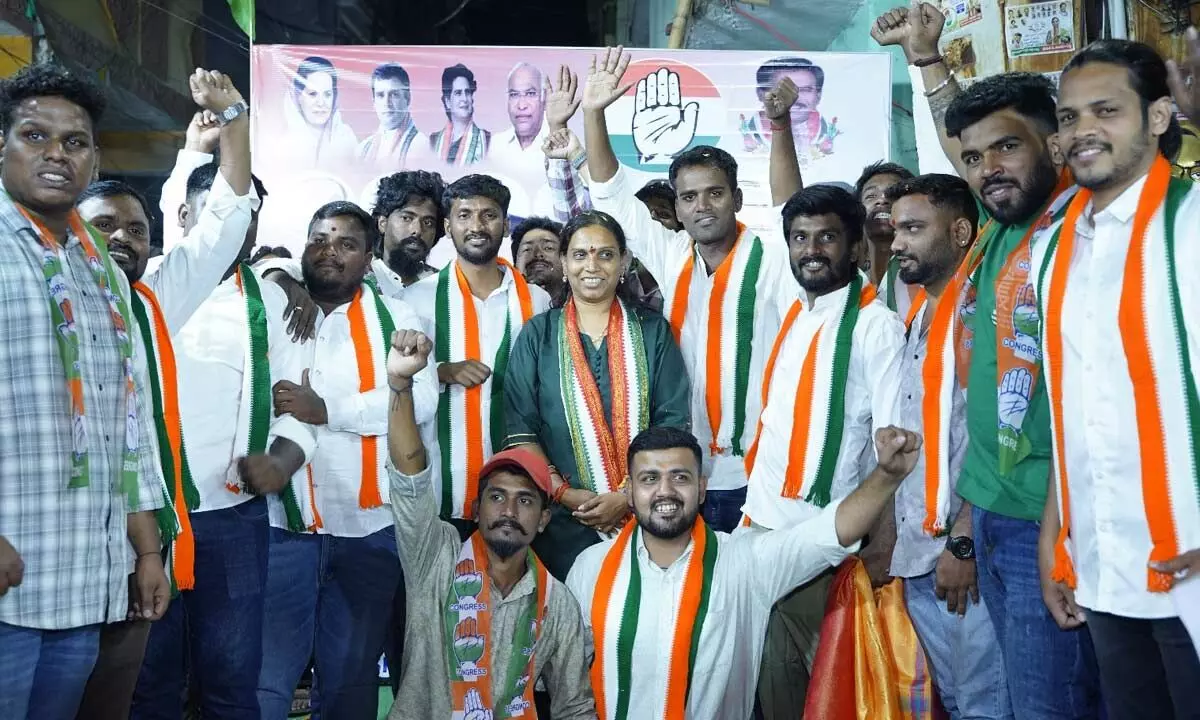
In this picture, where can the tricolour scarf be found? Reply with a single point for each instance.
(615, 610)
(1153, 335)
(471, 420)
(402, 138)
(730, 337)
(468, 636)
(600, 446)
(470, 148)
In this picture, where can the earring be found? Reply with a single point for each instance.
(622, 280)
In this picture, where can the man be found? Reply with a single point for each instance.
(935, 218)
(1057, 35)
(162, 302)
(79, 475)
(397, 144)
(473, 309)
(228, 355)
(998, 134)
(461, 142)
(513, 623)
(722, 286)
(659, 199)
(1118, 318)
(736, 581)
(833, 381)
(519, 148)
(812, 134)
(333, 572)
(408, 214)
(876, 258)
(537, 253)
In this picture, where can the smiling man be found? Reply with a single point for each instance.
(519, 148)
(875, 256)
(536, 252)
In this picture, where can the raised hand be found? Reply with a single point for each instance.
(603, 85)
(916, 29)
(1184, 78)
(561, 145)
(213, 91)
(897, 450)
(203, 132)
(778, 101)
(662, 126)
(408, 356)
(563, 101)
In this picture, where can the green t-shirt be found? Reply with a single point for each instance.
(1021, 493)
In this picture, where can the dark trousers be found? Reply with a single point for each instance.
(1148, 668)
(109, 691)
(722, 509)
(214, 631)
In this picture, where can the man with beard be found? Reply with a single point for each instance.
(408, 213)
(536, 253)
(723, 287)
(492, 621)
(474, 308)
(333, 572)
(639, 603)
(935, 218)
(397, 143)
(162, 301)
(999, 135)
(876, 258)
(832, 380)
(1119, 336)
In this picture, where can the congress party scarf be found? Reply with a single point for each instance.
(469, 149)
(615, 623)
(371, 328)
(599, 446)
(402, 138)
(1155, 342)
(819, 407)
(164, 395)
(471, 420)
(62, 314)
(256, 389)
(730, 336)
(1017, 349)
(468, 634)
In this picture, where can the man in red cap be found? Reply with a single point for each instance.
(485, 618)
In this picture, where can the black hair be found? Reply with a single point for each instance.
(315, 64)
(115, 188)
(533, 223)
(399, 189)
(390, 71)
(876, 169)
(662, 437)
(452, 73)
(595, 218)
(470, 186)
(657, 190)
(515, 470)
(278, 251)
(1147, 76)
(706, 156)
(345, 208)
(49, 80)
(943, 191)
(202, 177)
(825, 200)
(1030, 94)
(765, 77)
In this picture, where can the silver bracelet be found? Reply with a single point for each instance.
(937, 88)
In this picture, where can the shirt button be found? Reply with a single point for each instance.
(101, 385)
(93, 337)
(105, 438)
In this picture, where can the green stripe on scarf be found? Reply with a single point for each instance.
(821, 490)
(745, 343)
(497, 407)
(893, 271)
(628, 631)
(710, 564)
(1177, 191)
(441, 354)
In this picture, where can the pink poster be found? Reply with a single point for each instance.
(328, 121)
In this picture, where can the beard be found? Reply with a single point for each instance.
(408, 257)
(324, 287)
(929, 270)
(666, 529)
(1034, 192)
(506, 547)
(481, 255)
(838, 275)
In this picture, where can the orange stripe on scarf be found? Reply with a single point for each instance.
(685, 623)
(183, 555)
(712, 353)
(604, 587)
(473, 396)
(368, 489)
(769, 372)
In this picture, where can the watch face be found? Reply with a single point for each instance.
(962, 548)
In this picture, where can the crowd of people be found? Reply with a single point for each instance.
(605, 480)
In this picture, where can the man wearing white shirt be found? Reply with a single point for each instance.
(1119, 334)
(518, 150)
(163, 300)
(736, 579)
(723, 288)
(408, 213)
(833, 379)
(237, 451)
(473, 310)
(334, 572)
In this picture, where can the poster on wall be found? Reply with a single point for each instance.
(328, 122)
(1039, 29)
(961, 13)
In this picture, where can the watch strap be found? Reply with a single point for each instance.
(232, 112)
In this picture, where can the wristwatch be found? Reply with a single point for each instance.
(232, 112)
(961, 547)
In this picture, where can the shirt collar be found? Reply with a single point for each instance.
(644, 554)
(1123, 208)
(837, 298)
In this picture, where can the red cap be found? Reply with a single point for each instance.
(528, 462)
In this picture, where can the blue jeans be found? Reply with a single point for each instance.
(1051, 673)
(213, 632)
(722, 509)
(43, 672)
(330, 598)
(962, 652)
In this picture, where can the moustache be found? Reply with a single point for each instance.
(1082, 145)
(813, 258)
(1001, 180)
(413, 245)
(507, 523)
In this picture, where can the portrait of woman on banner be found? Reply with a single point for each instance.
(316, 134)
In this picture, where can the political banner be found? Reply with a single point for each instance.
(329, 121)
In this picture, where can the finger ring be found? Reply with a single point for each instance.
(299, 307)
